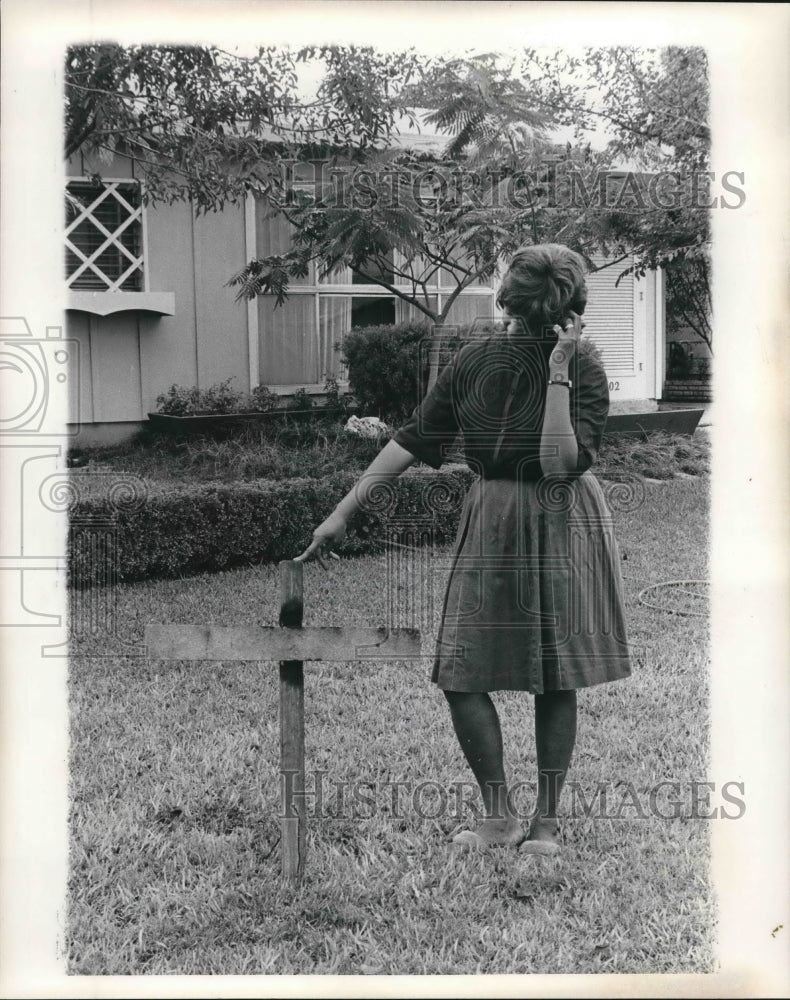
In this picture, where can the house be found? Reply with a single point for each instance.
(148, 304)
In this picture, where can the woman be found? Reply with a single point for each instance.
(534, 598)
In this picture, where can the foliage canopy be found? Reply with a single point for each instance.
(397, 207)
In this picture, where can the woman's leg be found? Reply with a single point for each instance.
(555, 736)
(476, 725)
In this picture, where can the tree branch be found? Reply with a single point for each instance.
(411, 299)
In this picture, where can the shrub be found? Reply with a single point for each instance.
(262, 399)
(218, 398)
(179, 401)
(195, 529)
(300, 401)
(383, 368)
(337, 403)
(221, 398)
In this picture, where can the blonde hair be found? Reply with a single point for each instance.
(543, 284)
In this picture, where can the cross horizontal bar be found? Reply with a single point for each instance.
(262, 642)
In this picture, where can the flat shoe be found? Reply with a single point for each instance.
(468, 838)
(539, 846)
(542, 848)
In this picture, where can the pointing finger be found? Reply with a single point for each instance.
(308, 552)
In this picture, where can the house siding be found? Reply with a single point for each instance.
(115, 351)
(132, 357)
(171, 348)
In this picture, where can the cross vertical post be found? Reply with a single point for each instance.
(293, 820)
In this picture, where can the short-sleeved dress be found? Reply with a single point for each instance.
(534, 599)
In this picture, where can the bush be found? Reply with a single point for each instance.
(338, 403)
(383, 369)
(195, 529)
(178, 401)
(262, 399)
(221, 398)
(218, 398)
(300, 401)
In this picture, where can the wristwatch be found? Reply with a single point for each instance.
(559, 380)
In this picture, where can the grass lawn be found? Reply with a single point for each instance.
(175, 792)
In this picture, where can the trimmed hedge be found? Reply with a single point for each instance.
(198, 529)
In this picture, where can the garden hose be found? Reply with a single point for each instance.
(675, 583)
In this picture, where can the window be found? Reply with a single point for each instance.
(378, 270)
(371, 311)
(299, 342)
(104, 236)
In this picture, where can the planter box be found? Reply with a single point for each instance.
(640, 424)
(207, 423)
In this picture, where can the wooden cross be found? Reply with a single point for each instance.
(290, 644)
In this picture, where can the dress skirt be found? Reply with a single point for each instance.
(534, 601)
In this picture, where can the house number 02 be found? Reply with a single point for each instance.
(614, 386)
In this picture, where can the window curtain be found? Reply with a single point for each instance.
(288, 341)
(288, 335)
(471, 310)
(334, 322)
(405, 312)
(274, 235)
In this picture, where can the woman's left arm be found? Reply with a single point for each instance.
(559, 449)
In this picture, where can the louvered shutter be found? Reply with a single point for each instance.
(609, 318)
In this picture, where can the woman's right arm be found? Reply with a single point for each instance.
(424, 436)
(391, 461)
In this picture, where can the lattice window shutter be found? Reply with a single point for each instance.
(104, 236)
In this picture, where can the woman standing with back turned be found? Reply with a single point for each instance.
(534, 599)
